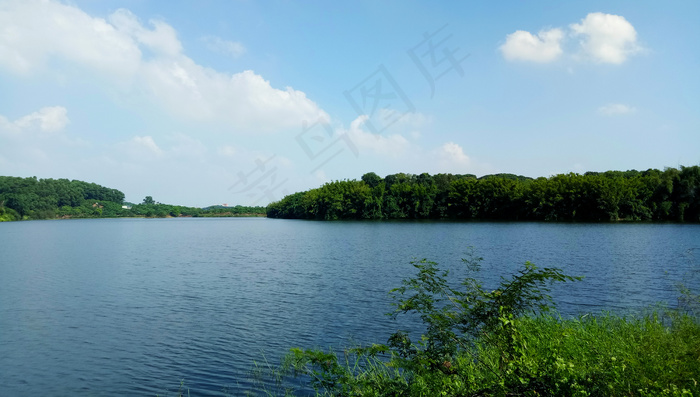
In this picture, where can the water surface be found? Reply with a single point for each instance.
(132, 306)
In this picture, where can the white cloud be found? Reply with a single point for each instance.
(32, 32)
(244, 99)
(6, 126)
(217, 44)
(386, 145)
(148, 143)
(162, 39)
(9, 128)
(524, 46)
(37, 144)
(395, 152)
(606, 38)
(141, 148)
(448, 157)
(47, 119)
(451, 158)
(614, 109)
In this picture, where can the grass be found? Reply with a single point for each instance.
(505, 342)
(606, 355)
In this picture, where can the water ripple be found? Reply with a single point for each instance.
(133, 306)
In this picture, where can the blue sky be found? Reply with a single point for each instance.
(242, 102)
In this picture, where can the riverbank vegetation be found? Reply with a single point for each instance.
(506, 342)
(651, 195)
(32, 198)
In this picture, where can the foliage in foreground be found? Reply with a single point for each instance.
(504, 342)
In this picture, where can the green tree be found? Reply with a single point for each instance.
(371, 179)
(591, 197)
(462, 322)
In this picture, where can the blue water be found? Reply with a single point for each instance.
(134, 306)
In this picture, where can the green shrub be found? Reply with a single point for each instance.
(504, 342)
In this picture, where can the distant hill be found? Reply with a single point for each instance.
(32, 198)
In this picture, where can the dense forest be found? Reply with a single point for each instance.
(668, 195)
(32, 198)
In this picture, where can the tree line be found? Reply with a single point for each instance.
(652, 195)
(32, 198)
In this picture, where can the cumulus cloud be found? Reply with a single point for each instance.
(37, 143)
(161, 39)
(603, 38)
(244, 99)
(606, 38)
(397, 152)
(386, 145)
(47, 119)
(524, 46)
(32, 31)
(226, 47)
(145, 59)
(451, 157)
(614, 109)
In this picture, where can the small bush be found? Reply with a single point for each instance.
(505, 342)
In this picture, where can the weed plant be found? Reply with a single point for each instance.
(507, 342)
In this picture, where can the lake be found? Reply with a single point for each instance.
(133, 306)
